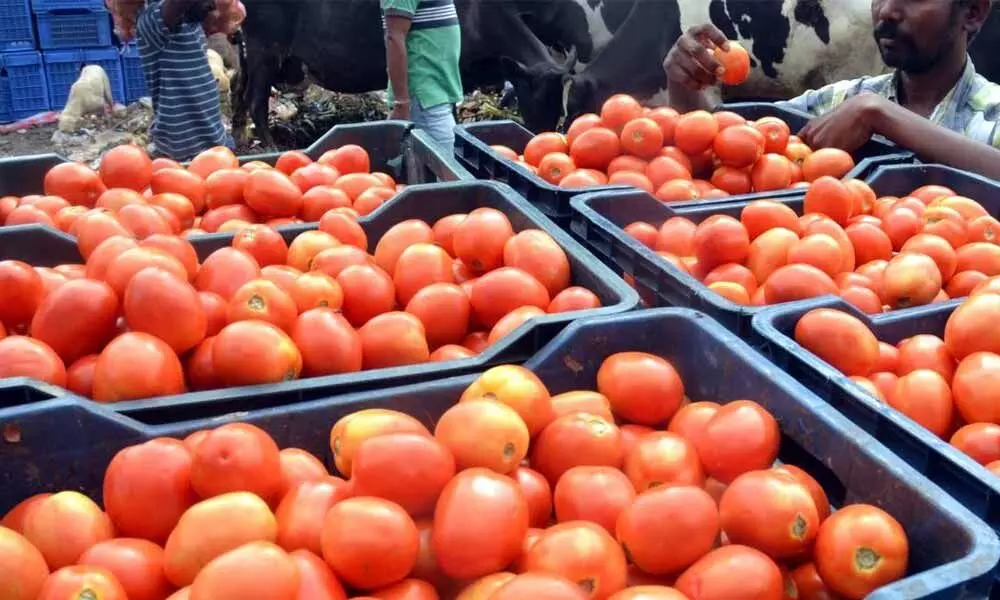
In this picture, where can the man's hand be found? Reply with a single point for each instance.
(690, 63)
(848, 126)
(400, 110)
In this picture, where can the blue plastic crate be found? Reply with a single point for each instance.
(971, 484)
(23, 90)
(63, 67)
(40, 246)
(74, 28)
(599, 219)
(473, 141)
(70, 442)
(16, 30)
(394, 147)
(50, 5)
(135, 80)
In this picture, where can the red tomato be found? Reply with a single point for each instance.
(82, 582)
(237, 457)
(582, 552)
(595, 494)
(479, 523)
(369, 542)
(733, 572)
(136, 564)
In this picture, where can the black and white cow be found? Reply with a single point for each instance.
(340, 44)
(795, 45)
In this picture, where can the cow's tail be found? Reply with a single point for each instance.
(238, 91)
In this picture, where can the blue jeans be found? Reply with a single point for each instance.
(438, 122)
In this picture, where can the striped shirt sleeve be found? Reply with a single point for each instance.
(152, 28)
(399, 8)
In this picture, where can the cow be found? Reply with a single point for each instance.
(340, 44)
(795, 45)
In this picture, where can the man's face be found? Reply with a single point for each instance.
(199, 9)
(915, 35)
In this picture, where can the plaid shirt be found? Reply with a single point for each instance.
(972, 107)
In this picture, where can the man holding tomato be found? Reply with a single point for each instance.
(171, 41)
(422, 48)
(933, 103)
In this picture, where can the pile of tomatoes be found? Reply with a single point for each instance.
(142, 317)
(697, 155)
(877, 253)
(626, 492)
(132, 195)
(950, 384)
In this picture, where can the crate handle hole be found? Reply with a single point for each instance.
(11, 433)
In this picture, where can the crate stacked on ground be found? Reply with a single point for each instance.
(23, 88)
(481, 147)
(135, 81)
(934, 363)
(22, 75)
(600, 219)
(71, 35)
(950, 552)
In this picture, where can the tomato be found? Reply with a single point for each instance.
(213, 527)
(258, 569)
(538, 493)
(770, 511)
(345, 229)
(966, 330)
(582, 401)
(444, 310)
(479, 523)
(353, 429)
(540, 586)
(393, 339)
(409, 469)
(594, 494)
(720, 239)
(358, 557)
(136, 564)
(484, 587)
(21, 293)
(695, 132)
(818, 495)
(742, 436)
(621, 109)
(662, 546)
(910, 280)
(304, 505)
(690, 420)
(981, 441)
(840, 339)
(22, 567)
(581, 552)
(536, 253)
(641, 388)
(328, 343)
(577, 439)
(63, 526)
(137, 365)
(419, 266)
(126, 166)
(641, 137)
(859, 549)
(15, 518)
(408, 589)
(484, 433)
(82, 582)
(131, 489)
(76, 319)
(255, 352)
(159, 303)
(225, 271)
(974, 386)
(359, 185)
(480, 238)
(262, 300)
(732, 572)
(660, 458)
(924, 396)
(648, 592)
(519, 389)
(368, 291)
(237, 457)
(316, 580)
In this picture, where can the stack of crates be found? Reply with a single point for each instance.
(135, 81)
(71, 35)
(23, 91)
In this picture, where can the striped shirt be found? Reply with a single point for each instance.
(185, 95)
(433, 49)
(971, 108)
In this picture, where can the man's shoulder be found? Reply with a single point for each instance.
(984, 96)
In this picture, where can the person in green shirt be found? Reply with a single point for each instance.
(422, 49)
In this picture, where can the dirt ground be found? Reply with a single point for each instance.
(296, 121)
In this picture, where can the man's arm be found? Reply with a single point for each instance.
(396, 29)
(932, 142)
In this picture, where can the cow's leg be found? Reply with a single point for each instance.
(263, 66)
(238, 91)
